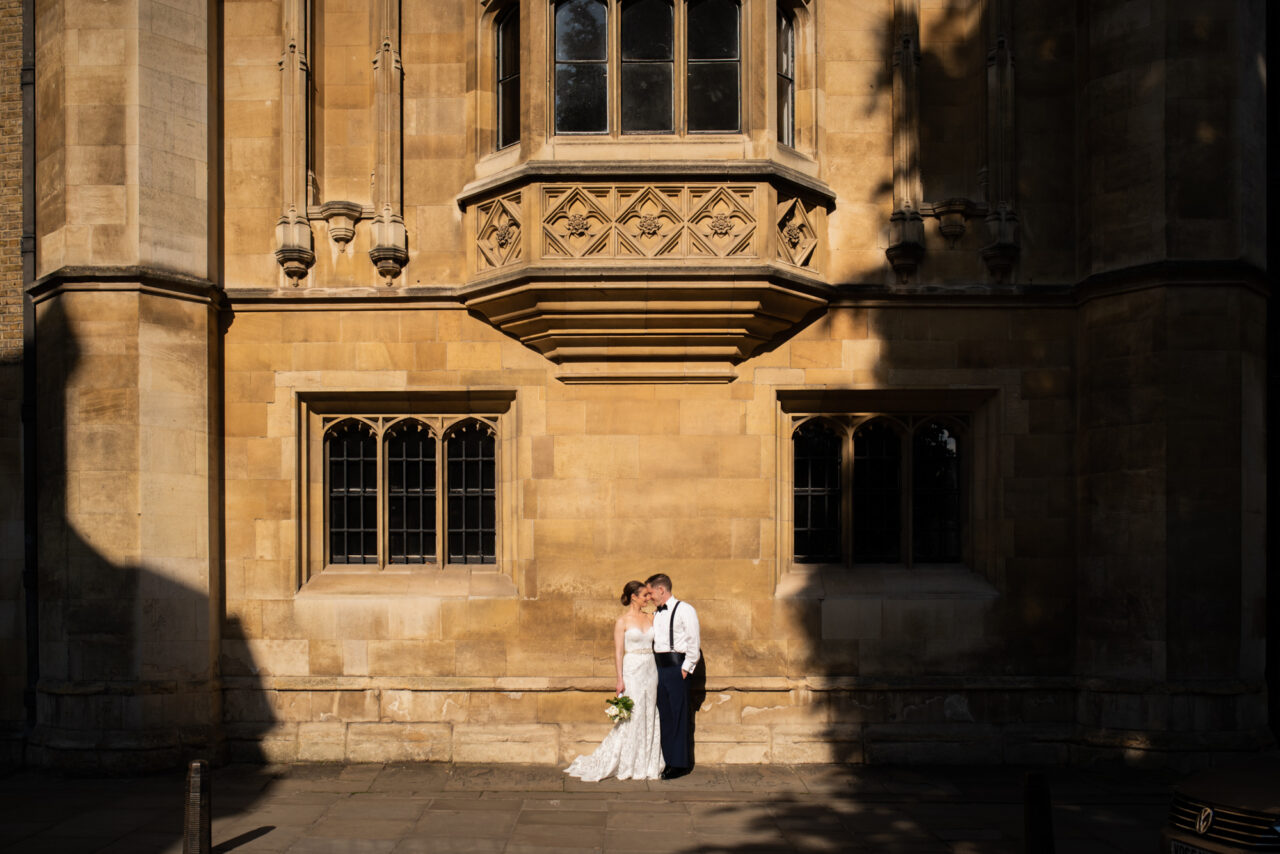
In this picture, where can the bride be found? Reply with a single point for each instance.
(633, 748)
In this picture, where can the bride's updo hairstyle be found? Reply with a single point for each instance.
(630, 590)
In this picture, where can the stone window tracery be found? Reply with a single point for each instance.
(382, 480)
(879, 489)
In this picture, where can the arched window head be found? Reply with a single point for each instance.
(471, 479)
(507, 74)
(816, 489)
(877, 493)
(351, 463)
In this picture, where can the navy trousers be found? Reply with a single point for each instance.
(673, 717)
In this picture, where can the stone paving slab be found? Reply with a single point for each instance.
(508, 809)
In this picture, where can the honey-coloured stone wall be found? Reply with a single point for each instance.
(252, 225)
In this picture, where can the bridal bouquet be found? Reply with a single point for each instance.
(619, 708)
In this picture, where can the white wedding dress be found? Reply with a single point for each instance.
(633, 748)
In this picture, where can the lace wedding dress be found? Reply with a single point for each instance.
(633, 748)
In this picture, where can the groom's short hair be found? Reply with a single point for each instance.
(660, 579)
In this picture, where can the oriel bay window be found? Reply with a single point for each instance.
(647, 66)
(382, 484)
(879, 489)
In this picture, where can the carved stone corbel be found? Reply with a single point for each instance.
(342, 218)
(294, 248)
(1002, 222)
(390, 250)
(906, 226)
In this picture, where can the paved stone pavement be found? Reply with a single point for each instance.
(309, 809)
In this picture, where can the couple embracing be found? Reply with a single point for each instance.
(654, 656)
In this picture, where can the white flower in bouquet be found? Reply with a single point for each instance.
(619, 708)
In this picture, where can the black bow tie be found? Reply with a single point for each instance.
(662, 607)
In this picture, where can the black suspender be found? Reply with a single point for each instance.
(671, 641)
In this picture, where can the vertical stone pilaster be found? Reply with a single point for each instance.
(1000, 168)
(294, 247)
(390, 250)
(906, 226)
(126, 343)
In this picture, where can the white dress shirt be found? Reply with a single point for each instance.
(687, 639)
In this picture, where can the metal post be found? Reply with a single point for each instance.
(197, 836)
(1038, 815)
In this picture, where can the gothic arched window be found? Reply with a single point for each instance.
(470, 479)
(351, 460)
(411, 493)
(817, 489)
(877, 493)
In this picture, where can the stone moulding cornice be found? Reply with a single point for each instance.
(648, 171)
(144, 279)
(616, 313)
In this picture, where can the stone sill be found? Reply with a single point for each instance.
(430, 582)
(648, 171)
(872, 581)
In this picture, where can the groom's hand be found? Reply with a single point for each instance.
(684, 674)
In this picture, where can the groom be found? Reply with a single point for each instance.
(675, 648)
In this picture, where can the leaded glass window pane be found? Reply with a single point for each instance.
(936, 513)
(470, 486)
(713, 75)
(816, 486)
(877, 493)
(648, 39)
(581, 50)
(508, 52)
(411, 494)
(351, 464)
(786, 79)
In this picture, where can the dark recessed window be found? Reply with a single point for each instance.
(786, 77)
(648, 66)
(877, 493)
(627, 66)
(936, 511)
(411, 493)
(351, 457)
(713, 66)
(582, 69)
(817, 447)
(508, 74)
(471, 480)
(879, 490)
(384, 477)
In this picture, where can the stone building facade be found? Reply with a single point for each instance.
(376, 345)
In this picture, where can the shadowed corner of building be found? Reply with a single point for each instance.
(125, 627)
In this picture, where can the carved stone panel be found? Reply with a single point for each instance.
(797, 237)
(647, 269)
(500, 233)
(649, 221)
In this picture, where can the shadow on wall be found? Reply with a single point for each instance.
(129, 673)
